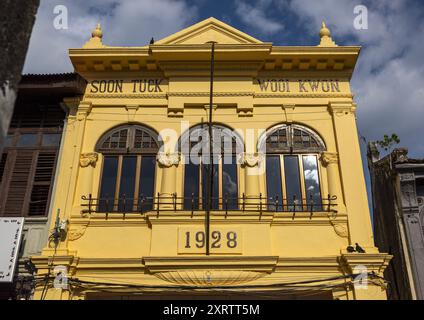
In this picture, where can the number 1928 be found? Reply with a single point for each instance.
(218, 239)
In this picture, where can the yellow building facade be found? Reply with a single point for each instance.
(289, 214)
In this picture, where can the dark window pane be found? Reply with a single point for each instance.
(9, 141)
(277, 141)
(313, 192)
(107, 189)
(127, 185)
(143, 140)
(117, 140)
(292, 175)
(45, 166)
(229, 184)
(2, 165)
(147, 183)
(28, 140)
(215, 186)
(39, 198)
(191, 185)
(420, 187)
(51, 139)
(273, 182)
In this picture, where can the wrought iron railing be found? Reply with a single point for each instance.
(160, 203)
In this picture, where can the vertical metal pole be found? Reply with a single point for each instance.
(210, 165)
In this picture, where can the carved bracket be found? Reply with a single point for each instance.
(329, 157)
(168, 159)
(84, 110)
(131, 110)
(342, 108)
(250, 159)
(88, 159)
(289, 110)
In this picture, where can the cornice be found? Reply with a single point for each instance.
(374, 262)
(241, 263)
(108, 50)
(125, 96)
(315, 49)
(219, 47)
(303, 95)
(217, 94)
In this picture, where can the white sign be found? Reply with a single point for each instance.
(10, 239)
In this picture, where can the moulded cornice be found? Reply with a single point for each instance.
(374, 262)
(241, 263)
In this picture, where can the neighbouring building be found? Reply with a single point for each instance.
(289, 216)
(398, 202)
(28, 165)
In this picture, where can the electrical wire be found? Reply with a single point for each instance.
(277, 285)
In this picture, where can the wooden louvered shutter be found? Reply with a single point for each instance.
(40, 192)
(2, 165)
(19, 183)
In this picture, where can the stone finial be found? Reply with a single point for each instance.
(325, 36)
(97, 33)
(324, 32)
(96, 38)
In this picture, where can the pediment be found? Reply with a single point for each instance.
(207, 30)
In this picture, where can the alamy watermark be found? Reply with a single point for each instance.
(60, 21)
(360, 22)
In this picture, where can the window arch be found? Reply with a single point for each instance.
(129, 166)
(194, 146)
(292, 138)
(129, 139)
(292, 171)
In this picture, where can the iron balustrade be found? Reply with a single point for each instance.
(161, 203)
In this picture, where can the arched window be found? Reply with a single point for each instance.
(128, 174)
(292, 171)
(194, 146)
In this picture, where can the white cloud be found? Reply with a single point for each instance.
(254, 16)
(124, 22)
(389, 78)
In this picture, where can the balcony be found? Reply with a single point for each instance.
(162, 203)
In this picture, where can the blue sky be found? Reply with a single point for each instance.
(388, 82)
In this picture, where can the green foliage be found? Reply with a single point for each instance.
(388, 142)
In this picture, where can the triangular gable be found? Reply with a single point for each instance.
(210, 29)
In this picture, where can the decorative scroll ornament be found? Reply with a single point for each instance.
(168, 159)
(76, 232)
(209, 277)
(340, 228)
(88, 159)
(329, 157)
(250, 159)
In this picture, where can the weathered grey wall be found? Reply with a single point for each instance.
(387, 223)
(16, 21)
(413, 225)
